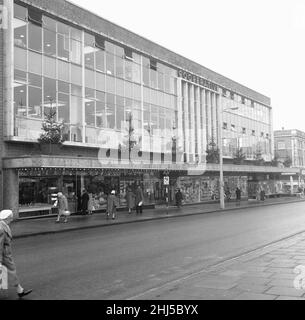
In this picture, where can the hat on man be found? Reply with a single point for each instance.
(6, 214)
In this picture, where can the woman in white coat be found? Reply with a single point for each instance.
(7, 264)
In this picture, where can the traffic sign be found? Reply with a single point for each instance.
(166, 181)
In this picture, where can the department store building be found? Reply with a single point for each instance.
(133, 112)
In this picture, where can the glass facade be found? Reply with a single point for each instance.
(249, 127)
(98, 88)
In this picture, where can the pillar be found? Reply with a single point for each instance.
(209, 116)
(180, 133)
(204, 144)
(11, 191)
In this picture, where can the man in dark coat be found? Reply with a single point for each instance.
(179, 198)
(238, 195)
(85, 201)
(139, 200)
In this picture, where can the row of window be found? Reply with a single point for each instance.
(244, 131)
(57, 40)
(239, 99)
(104, 110)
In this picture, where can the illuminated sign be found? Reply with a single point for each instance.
(198, 80)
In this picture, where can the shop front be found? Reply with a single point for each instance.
(205, 188)
(37, 187)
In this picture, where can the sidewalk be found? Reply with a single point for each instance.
(26, 228)
(263, 274)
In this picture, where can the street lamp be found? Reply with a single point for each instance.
(221, 182)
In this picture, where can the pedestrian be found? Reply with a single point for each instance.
(258, 194)
(112, 204)
(139, 200)
(263, 195)
(90, 204)
(62, 205)
(130, 198)
(85, 201)
(6, 256)
(238, 195)
(179, 198)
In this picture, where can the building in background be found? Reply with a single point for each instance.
(133, 112)
(289, 146)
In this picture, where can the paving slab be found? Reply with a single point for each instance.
(244, 278)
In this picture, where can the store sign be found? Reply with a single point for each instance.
(166, 181)
(198, 80)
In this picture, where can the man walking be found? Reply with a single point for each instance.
(85, 201)
(179, 198)
(238, 196)
(139, 200)
(6, 257)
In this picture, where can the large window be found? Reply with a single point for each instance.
(53, 61)
(63, 102)
(35, 37)
(49, 42)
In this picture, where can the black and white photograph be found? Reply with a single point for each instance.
(152, 151)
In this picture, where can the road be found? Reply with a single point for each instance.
(120, 262)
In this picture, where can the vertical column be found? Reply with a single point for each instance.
(186, 120)
(219, 125)
(214, 116)
(11, 191)
(192, 122)
(203, 132)
(180, 133)
(8, 70)
(209, 116)
(198, 122)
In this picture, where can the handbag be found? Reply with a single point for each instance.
(67, 213)
(140, 204)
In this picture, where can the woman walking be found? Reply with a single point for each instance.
(112, 204)
(62, 205)
(130, 198)
(7, 265)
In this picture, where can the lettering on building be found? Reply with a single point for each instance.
(198, 80)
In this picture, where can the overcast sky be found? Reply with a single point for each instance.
(258, 43)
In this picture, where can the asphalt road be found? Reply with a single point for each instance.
(120, 262)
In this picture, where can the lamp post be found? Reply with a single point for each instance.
(221, 182)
